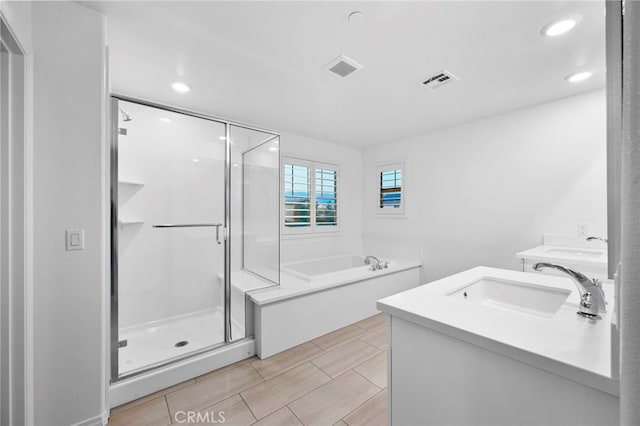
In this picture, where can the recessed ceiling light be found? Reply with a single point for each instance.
(578, 76)
(195, 160)
(273, 148)
(356, 17)
(222, 138)
(560, 26)
(180, 87)
(165, 120)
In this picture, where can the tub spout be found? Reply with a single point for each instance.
(374, 262)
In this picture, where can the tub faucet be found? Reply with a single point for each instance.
(592, 300)
(376, 265)
(597, 238)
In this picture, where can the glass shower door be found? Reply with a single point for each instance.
(170, 235)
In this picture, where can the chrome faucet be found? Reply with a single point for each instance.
(597, 238)
(377, 265)
(592, 300)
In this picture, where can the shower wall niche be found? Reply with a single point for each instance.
(184, 190)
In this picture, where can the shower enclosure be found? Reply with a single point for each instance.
(194, 209)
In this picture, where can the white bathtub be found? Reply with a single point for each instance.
(323, 268)
(321, 295)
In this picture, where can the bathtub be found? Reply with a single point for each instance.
(326, 267)
(318, 296)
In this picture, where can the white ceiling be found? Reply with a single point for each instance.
(264, 62)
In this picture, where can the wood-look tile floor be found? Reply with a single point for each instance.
(339, 378)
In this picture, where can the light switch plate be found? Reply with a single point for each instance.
(75, 239)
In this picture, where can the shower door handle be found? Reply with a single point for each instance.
(192, 225)
(218, 234)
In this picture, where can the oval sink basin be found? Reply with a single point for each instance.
(526, 298)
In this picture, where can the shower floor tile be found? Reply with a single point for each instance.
(163, 340)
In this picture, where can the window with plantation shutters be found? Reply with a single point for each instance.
(391, 189)
(326, 197)
(310, 196)
(297, 195)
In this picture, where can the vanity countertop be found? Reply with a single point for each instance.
(574, 255)
(565, 344)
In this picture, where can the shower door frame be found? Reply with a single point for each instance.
(115, 98)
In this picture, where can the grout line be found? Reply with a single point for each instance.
(316, 365)
(263, 377)
(316, 345)
(256, 371)
(301, 396)
(166, 402)
(369, 344)
(294, 413)
(164, 393)
(366, 360)
(372, 316)
(357, 365)
(249, 407)
(367, 379)
(333, 347)
(360, 406)
(208, 407)
(134, 404)
(291, 367)
(222, 397)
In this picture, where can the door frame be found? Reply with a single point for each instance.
(16, 230)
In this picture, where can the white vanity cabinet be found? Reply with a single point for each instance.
(480, 364)
(438, 379)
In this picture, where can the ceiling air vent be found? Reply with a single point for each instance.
(343, 66)
(439, 79)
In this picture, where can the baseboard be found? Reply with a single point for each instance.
(99, 420)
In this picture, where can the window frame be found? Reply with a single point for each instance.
(400, 212)
(313, 227)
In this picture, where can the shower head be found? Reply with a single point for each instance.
(125, 116)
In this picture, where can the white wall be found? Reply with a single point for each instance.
(348, 239)
(69, 288)
(479, 192)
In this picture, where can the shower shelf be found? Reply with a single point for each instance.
(130, 183)
(129, 222)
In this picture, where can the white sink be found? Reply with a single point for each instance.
(519, 296)
(575, 252)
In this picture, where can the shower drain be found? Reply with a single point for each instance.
(181, 343)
